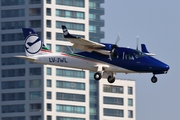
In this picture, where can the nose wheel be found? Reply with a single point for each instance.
(154, 79)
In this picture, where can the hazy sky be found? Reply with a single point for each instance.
(157, 22)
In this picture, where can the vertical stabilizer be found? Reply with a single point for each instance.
(33, 44)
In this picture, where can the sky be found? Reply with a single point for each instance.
(157, 23)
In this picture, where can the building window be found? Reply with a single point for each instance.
(12, 37)
(12, 13)
(113, 101)
(130, 90)
(12, 49)
(70, 109)
(92, 5)
(113, 112)
(48, 11)
(48, 46)
(92, 16)
(130, 114)
(13, 108)
(12, 61)
(48, 71)
(70, 85)
(113, 89)
(70, 73)
(35, 83)
(70, 14)
(34, 11)
(48, 82)
(35, 23)
(49, 107)
(34, 1)
(130, 102)
(13, 96)
(35, 71)
(35, 107)
(49, 117)
(92, 29)
(48, 95)
(12, 25)
(10, 3)
(14, 118)
(35, 117)
(68, 118)
(48, 23)
(75, 3)
(48, 35)
(35, 95)
(71, 26)
(13, 84)
(70, 97)
(48, 1)
(13, 72)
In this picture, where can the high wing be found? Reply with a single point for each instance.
(83, 44)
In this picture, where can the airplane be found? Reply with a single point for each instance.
(103, 58)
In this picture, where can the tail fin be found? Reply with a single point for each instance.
(144, 50)
(33, 44)
(66, 33)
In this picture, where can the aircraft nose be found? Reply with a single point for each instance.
(165, 67)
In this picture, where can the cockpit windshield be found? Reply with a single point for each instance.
(138, 54)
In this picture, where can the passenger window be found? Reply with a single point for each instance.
(128, 56)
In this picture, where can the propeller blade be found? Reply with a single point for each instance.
(117, 40)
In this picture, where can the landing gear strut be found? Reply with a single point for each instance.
(154, 79)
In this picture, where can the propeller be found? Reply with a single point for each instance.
(137, 42)
(113, 47)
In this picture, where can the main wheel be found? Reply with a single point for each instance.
(97, 76)
(154, 79)
(111, 79)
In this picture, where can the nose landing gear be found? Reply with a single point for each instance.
(154, 79)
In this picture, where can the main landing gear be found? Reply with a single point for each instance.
(154, 79)
(110, 79)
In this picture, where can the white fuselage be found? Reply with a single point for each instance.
(76, 61)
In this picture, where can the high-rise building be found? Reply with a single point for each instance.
(30, 91)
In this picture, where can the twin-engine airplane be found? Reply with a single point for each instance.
(102, 58)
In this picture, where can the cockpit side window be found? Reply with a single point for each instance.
(138, 54)
(128, 56)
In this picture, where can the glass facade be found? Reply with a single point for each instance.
(113, 112)
(70, 109)
(12, 13)
(12, 2)
(70, 85)
(113, 89)
(13, 108)
(70, 14)
(70, 97)
(75, 3)
(70, 73)
(70, 25)
(13, 84)
(13, 96)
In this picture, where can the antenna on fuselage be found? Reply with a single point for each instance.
(137, 42)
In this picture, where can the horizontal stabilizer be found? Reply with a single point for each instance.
(27, 58)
